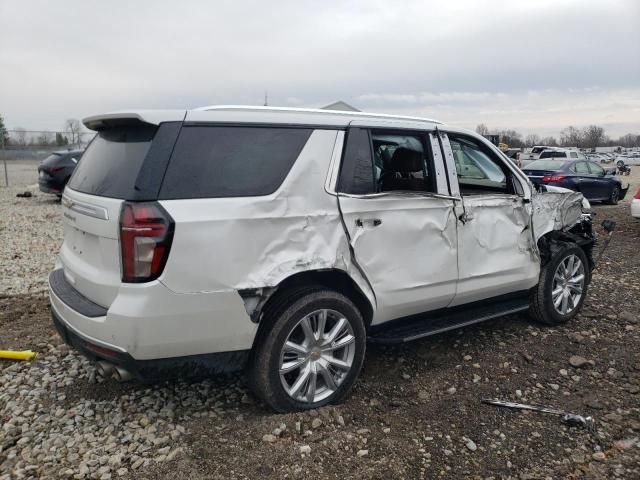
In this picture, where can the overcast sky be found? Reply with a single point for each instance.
(535, 66)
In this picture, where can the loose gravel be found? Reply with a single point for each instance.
(416, 412)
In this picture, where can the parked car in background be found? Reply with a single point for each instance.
(285, 239)
(55, 170)
(586, 177)
(635, 205)
(631, 158)
(562, 153)
(534, 154)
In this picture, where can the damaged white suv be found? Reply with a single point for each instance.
(282, 240)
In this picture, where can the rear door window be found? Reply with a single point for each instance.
(111, 163)
(225, 161)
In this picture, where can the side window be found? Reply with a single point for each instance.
(221, 161)
(356, 174)
(581, 168)
(596, 169)
(385, 161)
(401, 162)
(479, 170)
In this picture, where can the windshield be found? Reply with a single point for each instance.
(546, 165)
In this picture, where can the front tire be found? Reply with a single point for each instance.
(309, 352)
(562, 288)
(615, 196)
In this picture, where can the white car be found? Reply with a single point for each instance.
(282, 240)
(635, 205)
(631, 158)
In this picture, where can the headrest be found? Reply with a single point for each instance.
(406, 160)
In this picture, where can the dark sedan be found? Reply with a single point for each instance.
(588, 178)
(55, 170)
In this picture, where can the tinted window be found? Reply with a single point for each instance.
(111, 163)
(356, 175)
(216, 161)
(552, 154)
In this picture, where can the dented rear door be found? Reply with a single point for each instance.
(403, 241)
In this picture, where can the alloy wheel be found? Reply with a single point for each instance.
(568, 284)
(317, 356)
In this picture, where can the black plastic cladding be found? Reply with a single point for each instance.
(150, 176)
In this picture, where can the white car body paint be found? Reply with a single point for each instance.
(407, 252)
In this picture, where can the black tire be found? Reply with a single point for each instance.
(278, 323)
(541, 307)
(614, 197)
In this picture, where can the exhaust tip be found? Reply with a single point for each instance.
(121, 375)
(104, 369)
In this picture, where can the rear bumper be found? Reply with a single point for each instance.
(150, 328)
(187, 366)
(48, 185)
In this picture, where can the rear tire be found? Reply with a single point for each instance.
(562, 288)
(309, 352)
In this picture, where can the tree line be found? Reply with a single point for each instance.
(71, 134)
(591, 136)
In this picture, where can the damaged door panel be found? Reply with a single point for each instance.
(406, 246)
(496, 250)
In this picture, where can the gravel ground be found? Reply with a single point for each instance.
(415, 412)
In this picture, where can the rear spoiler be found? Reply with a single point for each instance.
(149, 117)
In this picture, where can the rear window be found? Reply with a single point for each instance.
(546, 165)
(111, 163)
(553, 155)
(220, 161)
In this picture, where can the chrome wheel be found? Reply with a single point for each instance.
(317, 356)
(568, 284)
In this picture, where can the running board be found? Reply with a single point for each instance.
(415, 327)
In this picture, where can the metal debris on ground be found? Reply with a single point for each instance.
(571, 419)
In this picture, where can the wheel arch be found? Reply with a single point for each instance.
(259, 301)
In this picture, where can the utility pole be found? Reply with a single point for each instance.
(266, 99)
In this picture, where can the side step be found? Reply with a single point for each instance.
(419, 326)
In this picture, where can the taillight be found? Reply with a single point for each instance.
(54, 169)
(637, 195)
(146, 232)
(552, 178)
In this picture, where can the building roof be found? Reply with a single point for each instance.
(341, 106)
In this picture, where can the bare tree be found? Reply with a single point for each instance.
(549, 141)
(21, 136)
(592, 136)
(531, 140)
(571, 137)
(511, 138)
(73, 126)
(482, 129)
(45, 138)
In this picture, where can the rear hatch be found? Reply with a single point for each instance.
(91, 204)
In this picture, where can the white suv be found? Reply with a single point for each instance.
(282, 240)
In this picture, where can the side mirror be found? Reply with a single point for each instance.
(610, 171)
